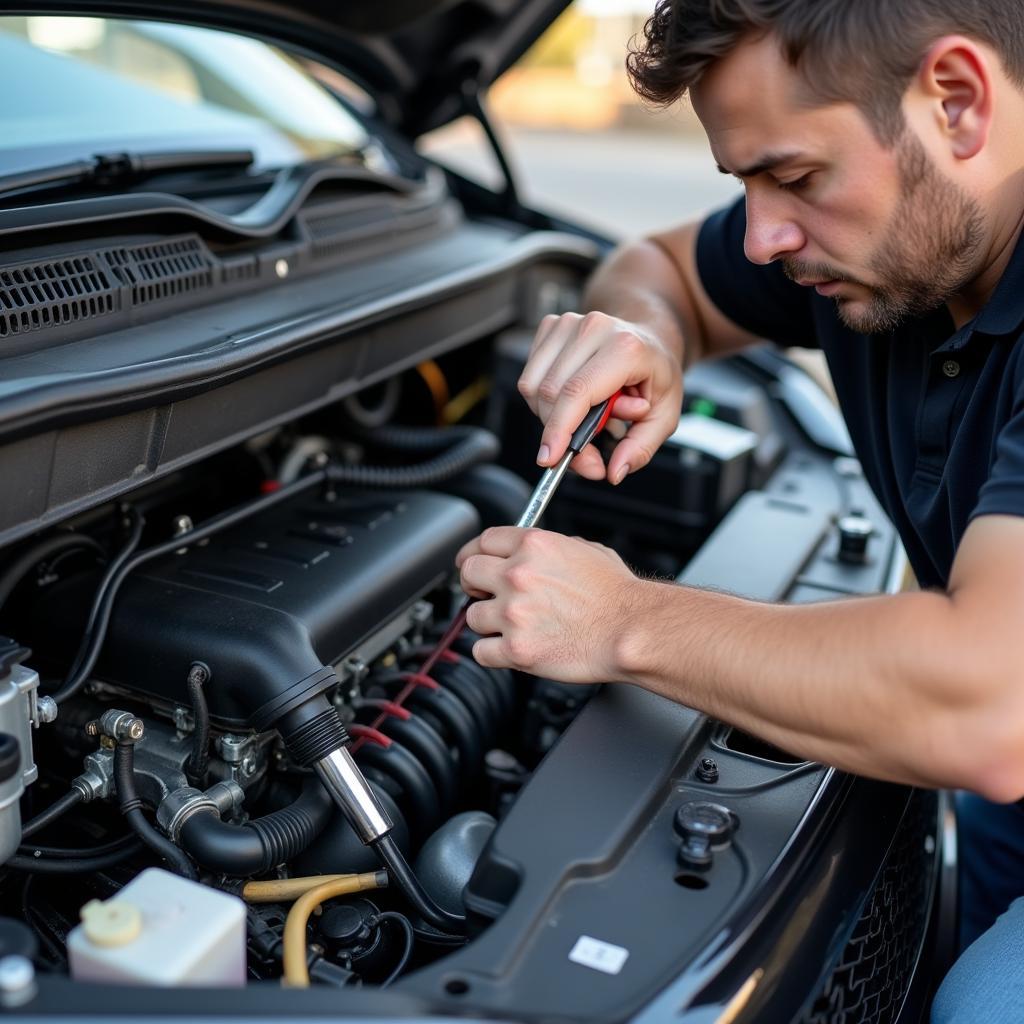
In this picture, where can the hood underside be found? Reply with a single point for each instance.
(414, 57)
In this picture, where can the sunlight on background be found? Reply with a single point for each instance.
(581, 142)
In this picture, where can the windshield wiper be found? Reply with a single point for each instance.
(103, 169)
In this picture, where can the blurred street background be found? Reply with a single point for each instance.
(581, 142)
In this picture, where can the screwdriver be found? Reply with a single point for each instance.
(593, 423)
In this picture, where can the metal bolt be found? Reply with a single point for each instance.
(92, 728)
(232, 748)
(249, 766)
(121, 726)
(707, 770)
(182, 525)
(183, 720)
(17, 980)
(355, 668)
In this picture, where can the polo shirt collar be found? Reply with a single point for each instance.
(1004, 312)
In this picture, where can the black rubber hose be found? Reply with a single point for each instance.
(403, 923)
(258, 845)
(448, 710)
(60, 807)
(470, 694)
(78, 853)
(427, 746)
(471, 446)
(131, 808)
(419, 803)
(421, 439)
(403, 879)
(109, 575)
(72, 865)
(55, 545)
(199, 759)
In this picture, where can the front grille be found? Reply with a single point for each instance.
(870, 981)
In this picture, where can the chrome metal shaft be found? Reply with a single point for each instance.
(351, 792)
(544, 491)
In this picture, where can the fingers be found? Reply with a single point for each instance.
(553, 335)
(489, 652)
(589, 464)
(484, 617)
(615, 365)
(501, 541)
(481, 574)
(642, 440)
(631, 407)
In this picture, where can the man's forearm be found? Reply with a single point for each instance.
(640, 284)
(884, 686)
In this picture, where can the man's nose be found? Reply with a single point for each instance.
(771, 234)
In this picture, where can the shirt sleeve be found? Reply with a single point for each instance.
(1003, 491)
(760, 299)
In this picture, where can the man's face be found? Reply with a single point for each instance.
(880, 230)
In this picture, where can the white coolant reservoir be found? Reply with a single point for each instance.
(161, 929)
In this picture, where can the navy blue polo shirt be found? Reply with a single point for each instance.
(936, 414)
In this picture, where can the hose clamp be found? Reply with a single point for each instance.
(177, 807)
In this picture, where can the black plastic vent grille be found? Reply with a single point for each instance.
(333, 233)
(163, 270)
(40, 295)
(246, 268)
(870, 982)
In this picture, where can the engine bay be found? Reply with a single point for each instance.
(244, 433)
(198, 652)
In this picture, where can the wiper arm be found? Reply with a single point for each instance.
(116, 168)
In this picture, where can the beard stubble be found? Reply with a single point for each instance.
(929, 252)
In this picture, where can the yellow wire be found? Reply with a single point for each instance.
(281, 890)
(437, 384)
(469, 396)
(296, 972)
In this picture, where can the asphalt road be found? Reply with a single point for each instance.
(624, 183)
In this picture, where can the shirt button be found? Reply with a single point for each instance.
(951, 368)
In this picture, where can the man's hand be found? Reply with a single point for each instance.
(550, 604)
(577, 361)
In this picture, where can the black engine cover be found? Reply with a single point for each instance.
(268, 604)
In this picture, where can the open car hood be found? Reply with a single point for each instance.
(414, 56)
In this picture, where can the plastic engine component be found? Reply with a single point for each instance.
(269, 604)
(161, 930)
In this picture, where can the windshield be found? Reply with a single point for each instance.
(78, 86)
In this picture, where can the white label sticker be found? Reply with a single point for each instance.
(601, 956)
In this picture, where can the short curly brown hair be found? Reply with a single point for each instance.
(863, 51)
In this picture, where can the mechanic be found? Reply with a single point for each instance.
(881, 149)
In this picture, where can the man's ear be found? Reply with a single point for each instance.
(956, 77)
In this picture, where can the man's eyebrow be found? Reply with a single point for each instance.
(768, 162)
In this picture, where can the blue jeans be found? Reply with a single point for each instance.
(987, 983)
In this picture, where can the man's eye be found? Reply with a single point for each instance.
(798, 184)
